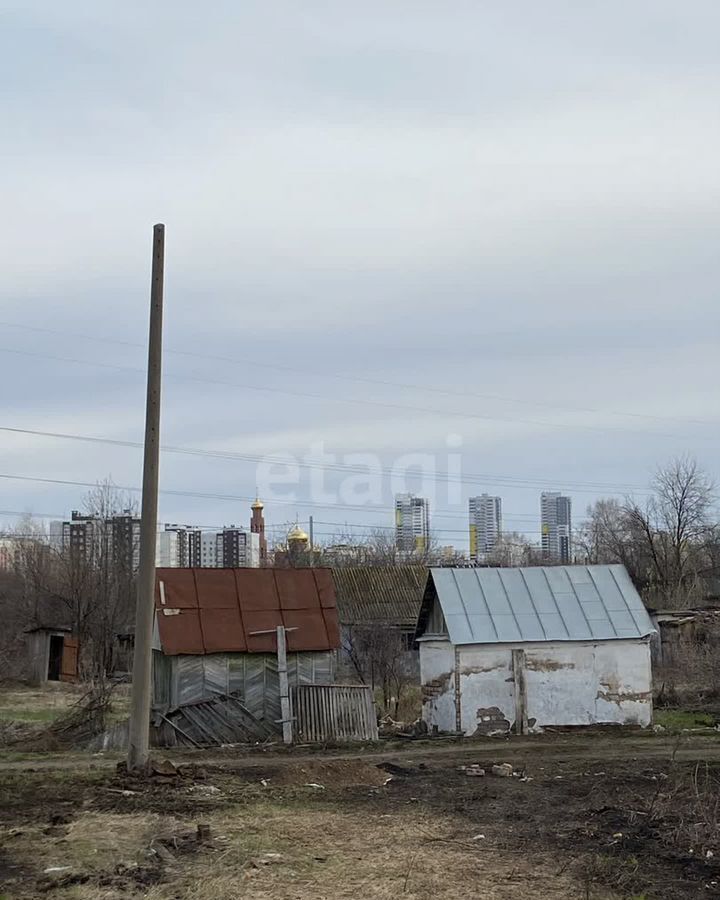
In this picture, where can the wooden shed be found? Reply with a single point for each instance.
(216, 635)
(53, 653)
(385, 597)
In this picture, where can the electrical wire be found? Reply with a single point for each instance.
(347, 400)
(364, 380)
(452, 478)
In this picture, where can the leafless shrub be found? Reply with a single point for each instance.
(377, 653)
(687, 814)
(691, 678)
(75, 728)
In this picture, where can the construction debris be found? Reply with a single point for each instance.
(389, 727)
(216, 722)
(475, 770)
(503, 771)
(162, 767)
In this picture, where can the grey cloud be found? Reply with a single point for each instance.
(508, 200)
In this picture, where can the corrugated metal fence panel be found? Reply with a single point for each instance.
(334, 712)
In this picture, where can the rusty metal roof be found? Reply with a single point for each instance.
(557, 603)
(217, 610)
(387, 595)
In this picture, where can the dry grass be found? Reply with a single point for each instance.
(328, 855)
(95, 842)
(27, 704)
(284, 841)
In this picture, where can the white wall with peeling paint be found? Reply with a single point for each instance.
(566, 683)
(587, 684)
(437, 677)
(487, 690)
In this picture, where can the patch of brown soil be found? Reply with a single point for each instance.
(329, 774)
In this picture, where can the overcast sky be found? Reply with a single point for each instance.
(387, 223)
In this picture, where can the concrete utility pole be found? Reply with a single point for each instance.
(139, 740)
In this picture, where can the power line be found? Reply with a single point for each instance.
(347, 400)
(452, 478)
(364, 380)
(219, 496)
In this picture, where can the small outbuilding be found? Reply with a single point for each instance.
(53, 653)
(521, 649)
(372, 598)
(216, 634)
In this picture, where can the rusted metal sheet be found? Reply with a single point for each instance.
(178, 590)
(334, 712)
(218, 610)
(216, 588)
(297, 589)
(389, 595)
(180, 631)
(257, 589)
(222, 630)
(325, 587)
(308, 624)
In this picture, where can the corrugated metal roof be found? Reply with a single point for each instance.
(217, 610)
(388, 595)
(554, 603)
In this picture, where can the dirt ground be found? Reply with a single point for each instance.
(585, 816)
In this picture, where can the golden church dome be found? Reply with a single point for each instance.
(297, 534)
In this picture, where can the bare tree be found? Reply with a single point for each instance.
(377, 653)
(379, 548)
(514, 549)
(665, 542)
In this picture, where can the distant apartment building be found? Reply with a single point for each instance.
(179, 546)
(412, 523)
(237, 547)
(485, 525)
(208, 550)
(230, 548)
(556, 526)
(94, 538)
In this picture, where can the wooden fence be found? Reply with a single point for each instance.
(334, 712)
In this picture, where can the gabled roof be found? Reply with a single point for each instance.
(219, 610)
(554, 603)
(385, 595)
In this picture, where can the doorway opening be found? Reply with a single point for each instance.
(55, 657)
